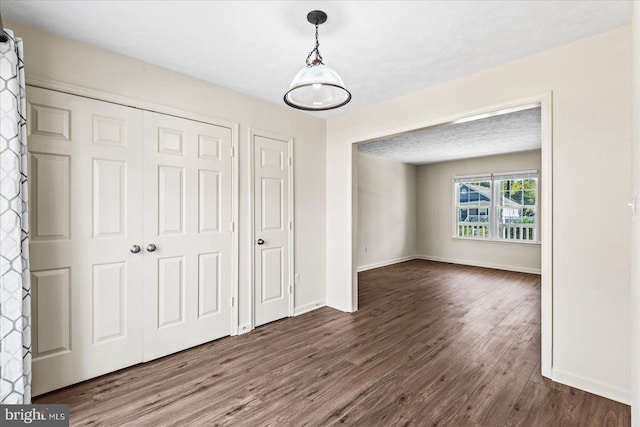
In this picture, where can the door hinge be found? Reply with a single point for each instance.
(232, 302)
(290, 289)
(290, 162)
(233, 226)
(233, 151)
(290, 226)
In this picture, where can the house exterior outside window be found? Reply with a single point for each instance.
(473, 206)
(498, 206)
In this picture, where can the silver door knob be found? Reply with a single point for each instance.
(260, 242)
(134, 249)
(151, 247)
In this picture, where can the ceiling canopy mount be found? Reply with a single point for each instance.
(316, 17)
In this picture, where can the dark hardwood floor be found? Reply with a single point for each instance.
(433, 344)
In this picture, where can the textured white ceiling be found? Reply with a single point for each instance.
(382, 49)
(504, 133)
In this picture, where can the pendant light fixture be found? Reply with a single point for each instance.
(317, 87)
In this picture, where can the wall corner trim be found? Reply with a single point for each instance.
(309, 307)
(609, 391)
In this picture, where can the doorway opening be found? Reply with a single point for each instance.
(495, 218)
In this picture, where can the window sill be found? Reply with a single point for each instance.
(519, 242)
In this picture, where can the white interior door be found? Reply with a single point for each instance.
(272, 228)
(85, 163)
(188, 217)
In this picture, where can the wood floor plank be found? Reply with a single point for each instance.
(432, 344)
(443, 400)
(542, 406)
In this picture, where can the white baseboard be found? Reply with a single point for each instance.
(385, 263)
(481, 264)
(450, 261)
(244, 328)
(601, 389)
(308, 307)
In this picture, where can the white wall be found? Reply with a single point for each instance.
(436, 216)
(52, 57)
(635, 253)
(386, 211)
(591, 84)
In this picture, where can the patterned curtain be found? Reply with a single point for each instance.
(15, 289)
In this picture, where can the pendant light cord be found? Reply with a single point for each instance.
(318, 59)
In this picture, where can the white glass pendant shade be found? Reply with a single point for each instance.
(317, 87)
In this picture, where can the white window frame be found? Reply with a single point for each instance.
(494, 207)
(475, 225)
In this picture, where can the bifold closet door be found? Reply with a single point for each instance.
(85, 166)
(131, 241)
(188, 237)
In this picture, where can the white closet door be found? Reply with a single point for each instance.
(85, 166)
(272, 216)
(188, 214)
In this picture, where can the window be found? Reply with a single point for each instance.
(499, 206)
(516, 198)
(473, 204)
